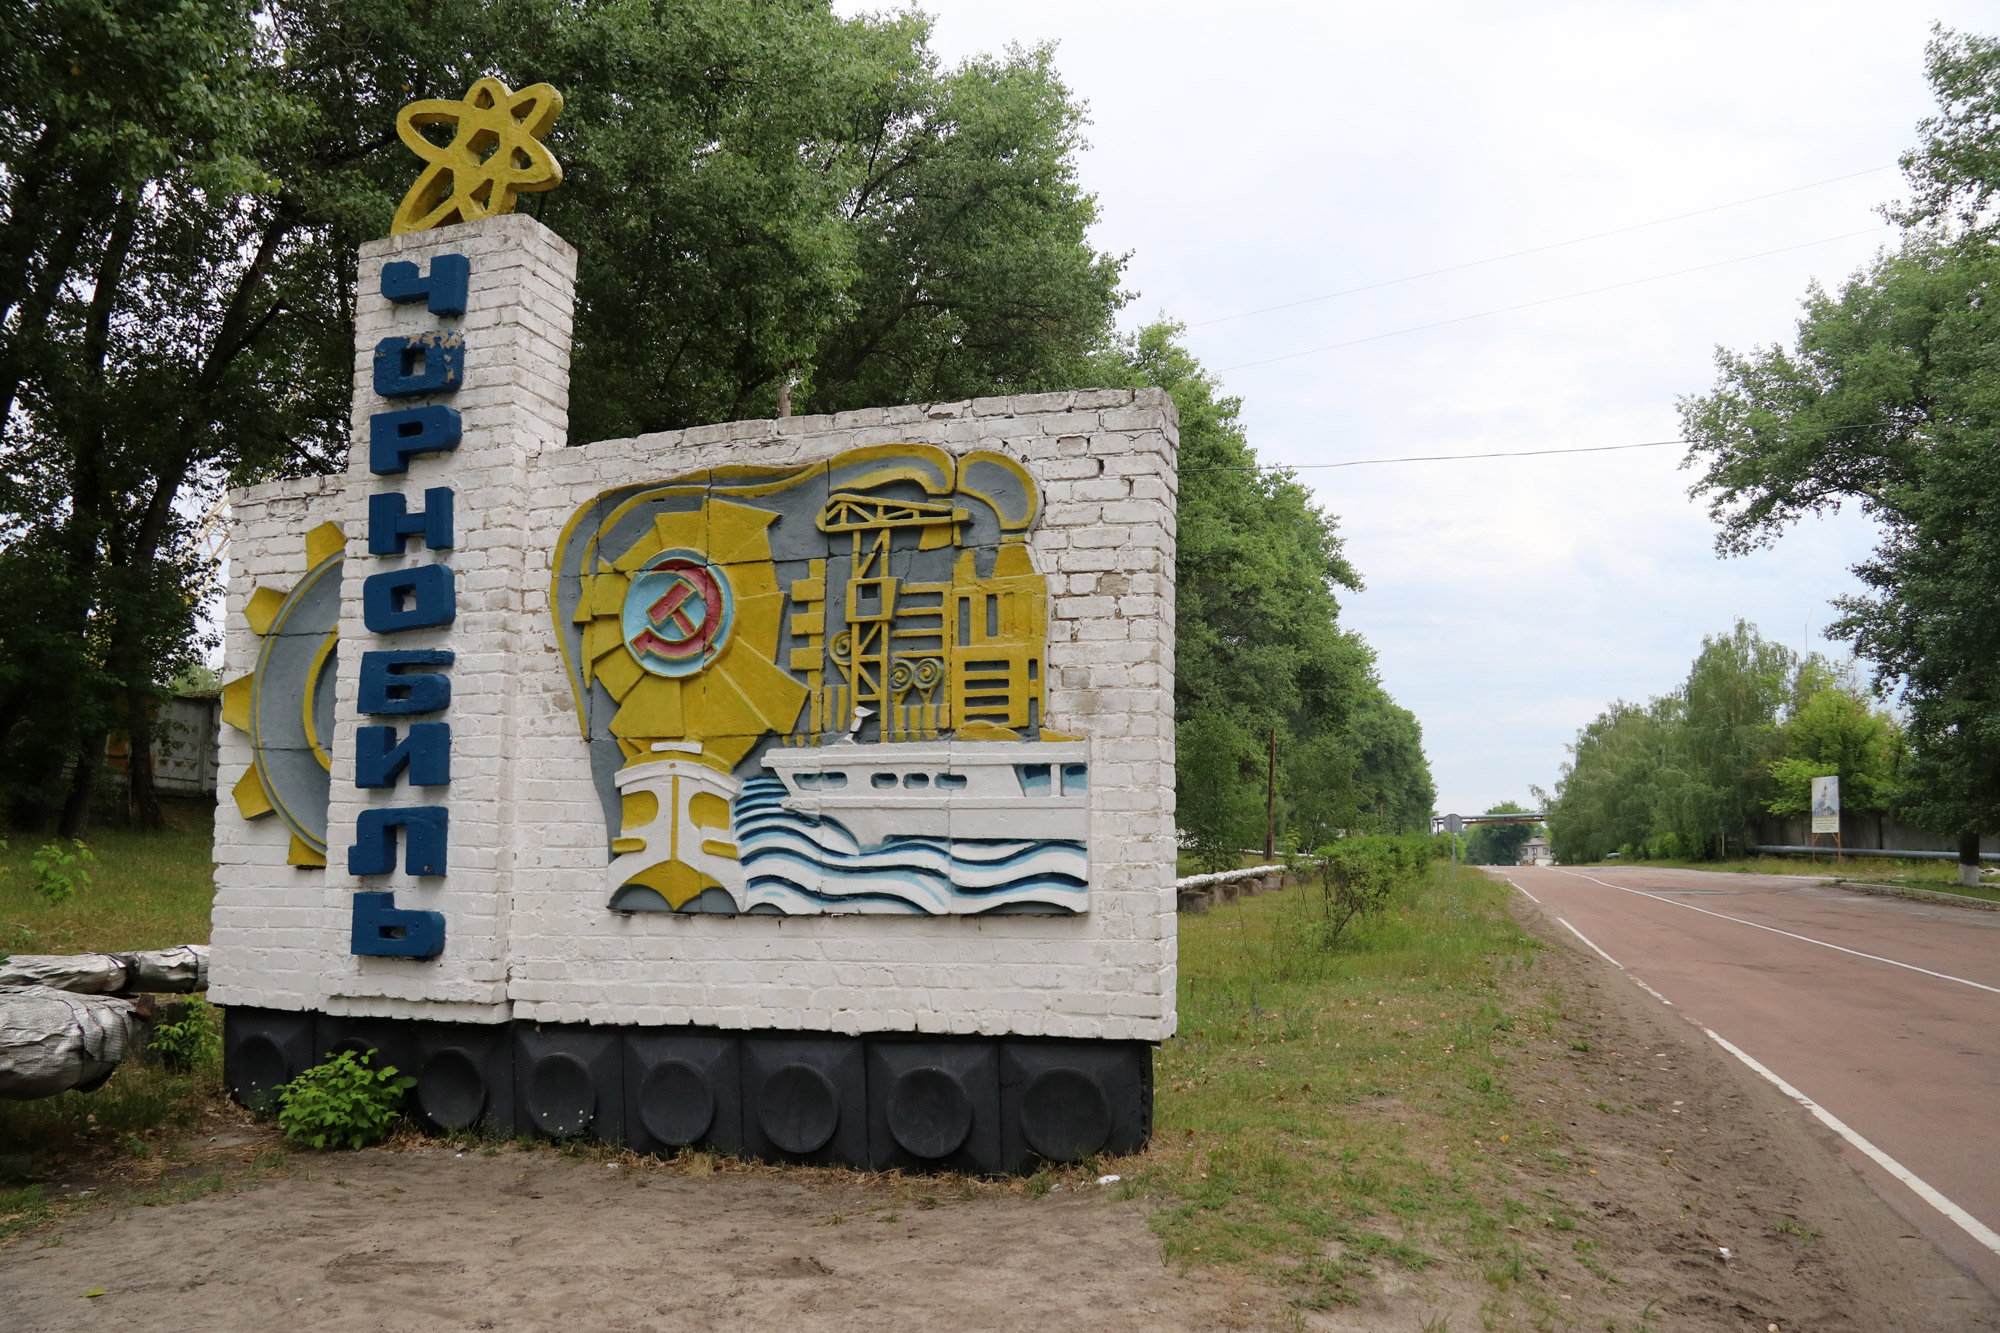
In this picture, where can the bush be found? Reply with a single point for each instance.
(60, 874)
(1358, 875)
(344, 1103)
(195, 1042)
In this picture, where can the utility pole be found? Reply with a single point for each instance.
(1271, 802)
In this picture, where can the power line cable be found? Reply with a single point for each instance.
(1504, 453)
(1547, 300)
(1431, 458)
(1535, 249)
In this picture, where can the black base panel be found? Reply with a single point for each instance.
(878, 1101)
(934, 1104)
(264, 1049)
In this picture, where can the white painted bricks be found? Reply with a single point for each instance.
(529, 935)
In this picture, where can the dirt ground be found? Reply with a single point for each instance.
(1692, 1155)
(431, 1240)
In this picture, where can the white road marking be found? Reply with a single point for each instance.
(1650, 991)
(1969, 1224)
(1586, 939)
(1600, 953)
(1872, 957)
(1917, 1185)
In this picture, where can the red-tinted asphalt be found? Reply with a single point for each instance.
(1910, 1061)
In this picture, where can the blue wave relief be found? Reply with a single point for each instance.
(800, 864)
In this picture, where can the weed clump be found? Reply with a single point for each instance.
(60, 874)
(1357, 878)
(344, 1103)
(193, 1042)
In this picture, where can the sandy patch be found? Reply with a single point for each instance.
(427, 1239)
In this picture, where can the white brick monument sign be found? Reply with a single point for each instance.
(800, 788)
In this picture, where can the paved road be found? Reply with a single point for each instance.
(1902, 1046)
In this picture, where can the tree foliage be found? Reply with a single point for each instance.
(1689, 773)
(1833, 732)
(1890, 399)
(763, 195)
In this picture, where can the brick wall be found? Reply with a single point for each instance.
(530, 936)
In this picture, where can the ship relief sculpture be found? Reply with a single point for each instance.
(822, 689)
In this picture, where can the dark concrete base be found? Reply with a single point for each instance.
(985, 1105)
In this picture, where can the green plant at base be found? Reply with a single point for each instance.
(344, 1103)
(60, 874)
(192, 1043)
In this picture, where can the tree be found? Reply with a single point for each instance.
(1499, 844)
(1604, 796)
(1714, 775)
(1258, 642)
(762, 196)
(132, 309)
(1833, 732)
(1687, 773)
(1890, 399)
(1394, 791)
(767, 196)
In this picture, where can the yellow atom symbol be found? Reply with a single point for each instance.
(496, 154)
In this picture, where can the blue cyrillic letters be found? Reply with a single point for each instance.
(424, 835)
(431, 599)
(426, 752)
(390, 524)
(394, 436)
(383, 930)
(446, 284)
(420, 597)
(386, 692)
(408, 365)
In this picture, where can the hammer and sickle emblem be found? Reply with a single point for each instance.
(496, 154)
(677, 614)
(673, 607)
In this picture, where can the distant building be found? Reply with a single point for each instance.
(186, 736)
(1535, 852)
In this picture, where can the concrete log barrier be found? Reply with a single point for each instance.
(1197, 893)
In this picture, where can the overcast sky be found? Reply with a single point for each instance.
(1254, 154)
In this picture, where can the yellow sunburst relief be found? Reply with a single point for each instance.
(822, 690)
(285, 704)
(494, 155)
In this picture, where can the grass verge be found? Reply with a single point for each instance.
(148, 890)
(1323, 1116)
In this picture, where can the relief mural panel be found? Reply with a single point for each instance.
(822, 689)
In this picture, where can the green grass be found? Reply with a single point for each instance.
(1322, 1115)
(1936, 876)
(147, 891)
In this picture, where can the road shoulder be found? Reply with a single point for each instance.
(1695, 1155)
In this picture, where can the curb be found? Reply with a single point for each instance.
(1920, 895)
